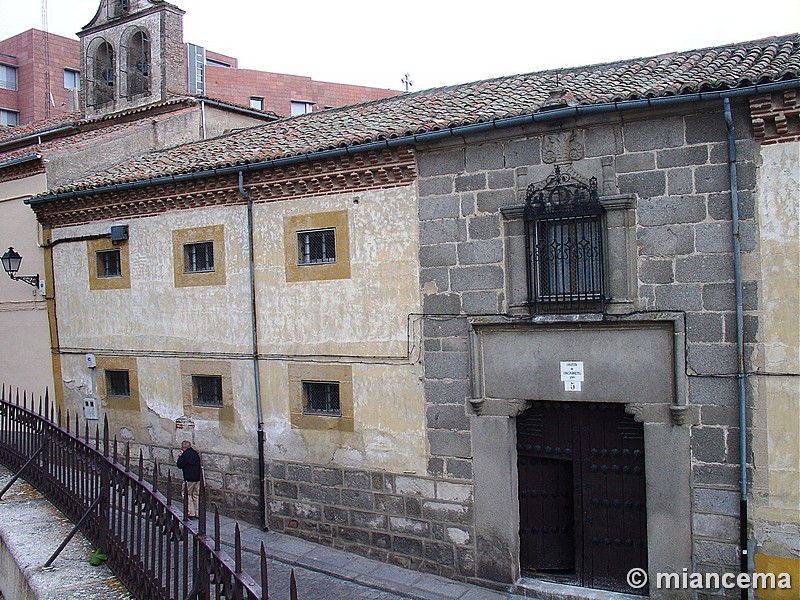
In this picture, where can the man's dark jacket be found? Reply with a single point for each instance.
(189, 463)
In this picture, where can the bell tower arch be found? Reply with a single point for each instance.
(132, 54)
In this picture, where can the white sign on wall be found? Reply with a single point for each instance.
(572, 375)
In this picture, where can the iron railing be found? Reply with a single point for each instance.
(151, 548)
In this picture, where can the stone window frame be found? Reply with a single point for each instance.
(207, 368)
(119, 363)
(619, 249)
(307, 372)
(180, 238)
(297, 271)
(136, 44)
(97, 282)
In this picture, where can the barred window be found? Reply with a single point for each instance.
(207, 390)
(321, 398)
(316, 247)
(563, 228)
(198, 257)
(108, 263)
(118, 383)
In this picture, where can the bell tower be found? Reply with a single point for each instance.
(132, 54)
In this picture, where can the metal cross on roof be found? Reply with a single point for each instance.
(407, 80)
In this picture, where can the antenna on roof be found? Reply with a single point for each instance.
(48, 94)
(407, 80)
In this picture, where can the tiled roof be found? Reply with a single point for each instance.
(711, 69)
(9, 134)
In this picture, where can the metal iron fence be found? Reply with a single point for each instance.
(153, 550)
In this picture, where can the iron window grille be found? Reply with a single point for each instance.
(207, 390)
(198, 257)
(101, 66)
(137, 51)
(564, 243)
(118, 383)
(321, 398)
(316, 247)
(108, 264)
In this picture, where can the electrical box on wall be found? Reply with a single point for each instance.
(90, 408)
(91, 361)
(119, 233)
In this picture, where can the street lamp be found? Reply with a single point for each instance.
(11, 261)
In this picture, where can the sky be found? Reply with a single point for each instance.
(437, 42)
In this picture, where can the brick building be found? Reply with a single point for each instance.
(40, 74)
(548, 337)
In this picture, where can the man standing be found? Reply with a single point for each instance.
(189, 463)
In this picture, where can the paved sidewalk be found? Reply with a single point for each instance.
(320, 571)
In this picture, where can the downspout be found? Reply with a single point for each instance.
(740, 372)
(262, 501)
(203, 120)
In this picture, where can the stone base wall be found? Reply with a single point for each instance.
(421, 523)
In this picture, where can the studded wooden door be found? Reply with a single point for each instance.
(582, 493)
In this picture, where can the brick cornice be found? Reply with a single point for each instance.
(776, 117)
(21, 170)
(350, 173)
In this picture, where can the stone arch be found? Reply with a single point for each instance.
(135, 60)
(101, 72)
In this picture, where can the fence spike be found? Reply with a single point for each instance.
(77, 425)
(155, 476)
(237, 536)
(3, 393)
(85, 431)
(39, 411)
(115, 456)
(264, 576)
(216, 528)
(48, 408)
(58, 412)
(97, 436)
(105, 435)
(127, 456)
(169, 488)
(67, 421)
(292, 587)
(201, 508)
(141, 465)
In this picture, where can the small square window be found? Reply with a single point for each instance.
(207, 390)
(72, 79)
(321, 398)
(257, 103)
(316, 247)
(118, 383)
(8, 77)
(108, 263)
(198, 257)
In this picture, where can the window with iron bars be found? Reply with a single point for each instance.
(321, 398)
(198, 257)
(207, 390)
(316, 247)
(118, 383)
(564, 239)
(108, 263)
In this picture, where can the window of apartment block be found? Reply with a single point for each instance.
(118, 383)
(72, 79)
(207, 390)
(109, 263)
(316, 247)
(199, 256)
(321, 398)
(8, 77)
(563, 231)
(9, 118)
(257, 102)
(301, 108)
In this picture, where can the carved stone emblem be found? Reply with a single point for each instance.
(564, 146)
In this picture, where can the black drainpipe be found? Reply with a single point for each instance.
(262, 501)
(744, 565)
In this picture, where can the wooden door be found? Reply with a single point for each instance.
(582, 493)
